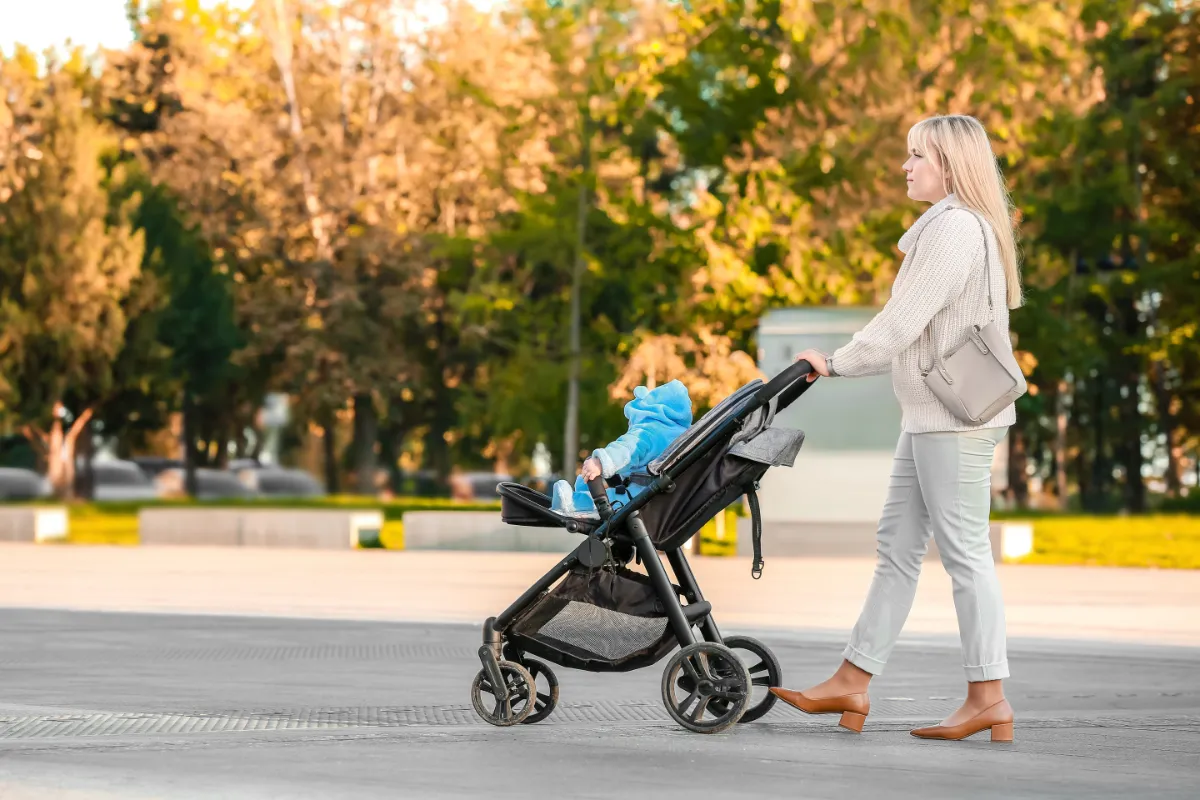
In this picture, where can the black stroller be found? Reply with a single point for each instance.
(592, 612)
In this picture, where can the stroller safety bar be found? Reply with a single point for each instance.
(598, 488)
(521, 505)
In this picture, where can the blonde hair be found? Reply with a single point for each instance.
(959, 145)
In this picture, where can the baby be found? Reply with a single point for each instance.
(656, 418)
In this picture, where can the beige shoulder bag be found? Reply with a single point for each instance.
(979, 378)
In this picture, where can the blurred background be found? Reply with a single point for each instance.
(395, 248)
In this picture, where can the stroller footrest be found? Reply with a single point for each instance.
(695, 611)
(520, 505)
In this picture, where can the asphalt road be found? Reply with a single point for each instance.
(131, 706)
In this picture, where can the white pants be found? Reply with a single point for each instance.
(940, 485)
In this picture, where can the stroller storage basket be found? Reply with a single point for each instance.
(602, 620)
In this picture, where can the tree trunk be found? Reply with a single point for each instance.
(1170, 428)
(1060, 444)
(1018, 478)
(58, 447)
(1101, 471)
(437, 449)
(84, 478)
(366, 434)
(329, 446)
(391, 444)
(282, 48)
(1135, 326)
(189, 445)
(1132, 421)
(1081, 470)
(571, 426)
(54, 457)
(221, 459)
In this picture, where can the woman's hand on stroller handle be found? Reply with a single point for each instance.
(816, 363)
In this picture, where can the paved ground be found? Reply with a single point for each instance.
(1130, 605)
(103, 705)
(307, 700)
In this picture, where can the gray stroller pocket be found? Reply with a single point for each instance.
(775, 447)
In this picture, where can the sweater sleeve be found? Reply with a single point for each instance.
(945, 254)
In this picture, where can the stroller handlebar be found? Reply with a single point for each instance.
(794, 372)
(598, 488)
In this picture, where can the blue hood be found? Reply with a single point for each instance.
(669, 403)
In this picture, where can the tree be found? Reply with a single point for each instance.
(194, 327)
(69, 260)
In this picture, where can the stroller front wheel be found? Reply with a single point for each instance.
(516, 698)
(717, 689)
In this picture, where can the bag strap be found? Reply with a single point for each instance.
(756, 569)
(927, 335)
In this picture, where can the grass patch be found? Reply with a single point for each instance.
(116, 523)
(392, 509)
(1170, 541)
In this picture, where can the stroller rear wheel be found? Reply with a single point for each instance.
(764, 670)
(515, 703)
(718, 690)
(545, 686)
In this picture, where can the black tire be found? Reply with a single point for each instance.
(717, 675)
(516, 705)
(765, 672)
(547, 699)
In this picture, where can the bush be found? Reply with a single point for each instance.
(1181, 505)
(1158, 540)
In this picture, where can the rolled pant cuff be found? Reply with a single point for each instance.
(987, 672)
(863, 661)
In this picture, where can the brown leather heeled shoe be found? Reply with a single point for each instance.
(996, 718)
(853, 707)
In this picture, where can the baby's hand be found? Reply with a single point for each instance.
(591, 469)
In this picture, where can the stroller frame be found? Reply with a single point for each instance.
(625, 527)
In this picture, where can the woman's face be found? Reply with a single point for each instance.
(925, 179)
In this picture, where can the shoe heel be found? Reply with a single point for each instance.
(1002, 733)
(854, 722)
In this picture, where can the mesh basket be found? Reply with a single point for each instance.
(601, 620)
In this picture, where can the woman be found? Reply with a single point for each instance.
(941, 475)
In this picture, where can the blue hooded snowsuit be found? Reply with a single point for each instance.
(656, 418)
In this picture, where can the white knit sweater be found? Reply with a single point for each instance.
(943, 280)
